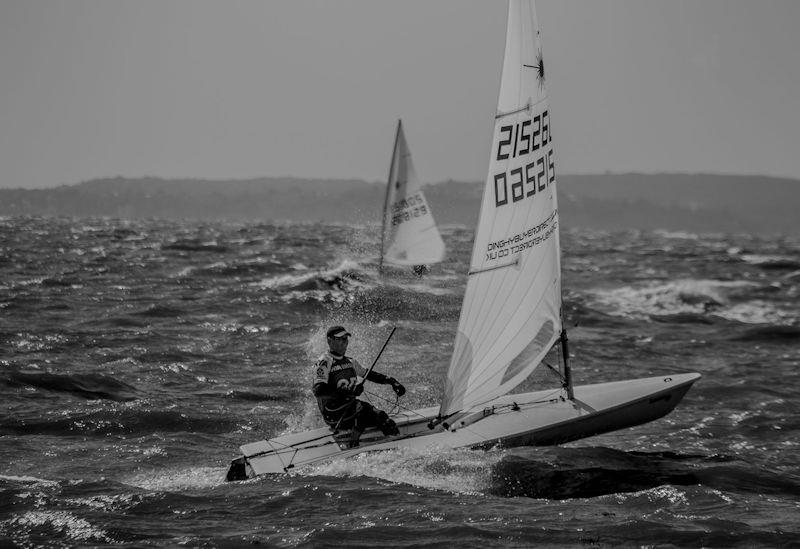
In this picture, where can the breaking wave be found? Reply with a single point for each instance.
(88, 386)
(692, 301)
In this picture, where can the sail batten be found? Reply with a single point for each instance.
(510, 316)
(487, 269)
(527, 107)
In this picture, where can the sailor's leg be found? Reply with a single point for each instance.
(368, 416)
(358, 423)
(341, 418)
(387, 426)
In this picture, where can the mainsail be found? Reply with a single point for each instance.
(510, 317)
(409, 236)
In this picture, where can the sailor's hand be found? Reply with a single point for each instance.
(358, 389)
(398, 388)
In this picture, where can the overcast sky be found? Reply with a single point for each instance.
(313, 88)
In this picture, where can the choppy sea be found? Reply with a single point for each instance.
(136, 356)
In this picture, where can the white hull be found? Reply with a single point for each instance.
(530, 419)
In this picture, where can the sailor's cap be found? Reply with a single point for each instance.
(338, 331)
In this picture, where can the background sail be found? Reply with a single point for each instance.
(511, 312)
(410, 232)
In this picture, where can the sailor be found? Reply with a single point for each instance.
(336, 388)
(420, 270)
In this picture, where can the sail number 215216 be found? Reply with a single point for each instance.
(517, 141)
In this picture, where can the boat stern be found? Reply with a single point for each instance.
(238, 470)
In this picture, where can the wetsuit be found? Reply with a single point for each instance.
(335, 382)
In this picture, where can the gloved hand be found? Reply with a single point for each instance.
(358, 389)
(398, 388)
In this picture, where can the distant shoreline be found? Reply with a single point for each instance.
(691, 202)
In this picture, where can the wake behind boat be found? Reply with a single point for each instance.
(511, 314)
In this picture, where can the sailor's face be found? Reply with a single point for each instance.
(338, 344)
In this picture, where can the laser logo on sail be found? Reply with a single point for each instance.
(539, 67)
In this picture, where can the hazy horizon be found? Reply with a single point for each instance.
(311, 89)
(646, 179)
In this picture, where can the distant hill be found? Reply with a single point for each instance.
(697, 202)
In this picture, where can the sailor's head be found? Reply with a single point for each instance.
(338, 339)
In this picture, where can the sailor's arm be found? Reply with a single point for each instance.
(377, 377)
(320, 385)
(381, 379)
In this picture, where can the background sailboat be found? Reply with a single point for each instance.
(511, 314)
(409, 235)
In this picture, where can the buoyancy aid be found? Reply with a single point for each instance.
(335, 377)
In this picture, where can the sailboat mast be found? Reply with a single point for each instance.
(388, 193)
(567, 369)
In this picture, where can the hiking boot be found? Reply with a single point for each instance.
(355, 435)
(389, 428)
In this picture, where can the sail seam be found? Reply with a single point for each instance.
(486, 270)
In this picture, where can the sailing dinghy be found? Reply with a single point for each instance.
(511, 313)
(409, 235)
